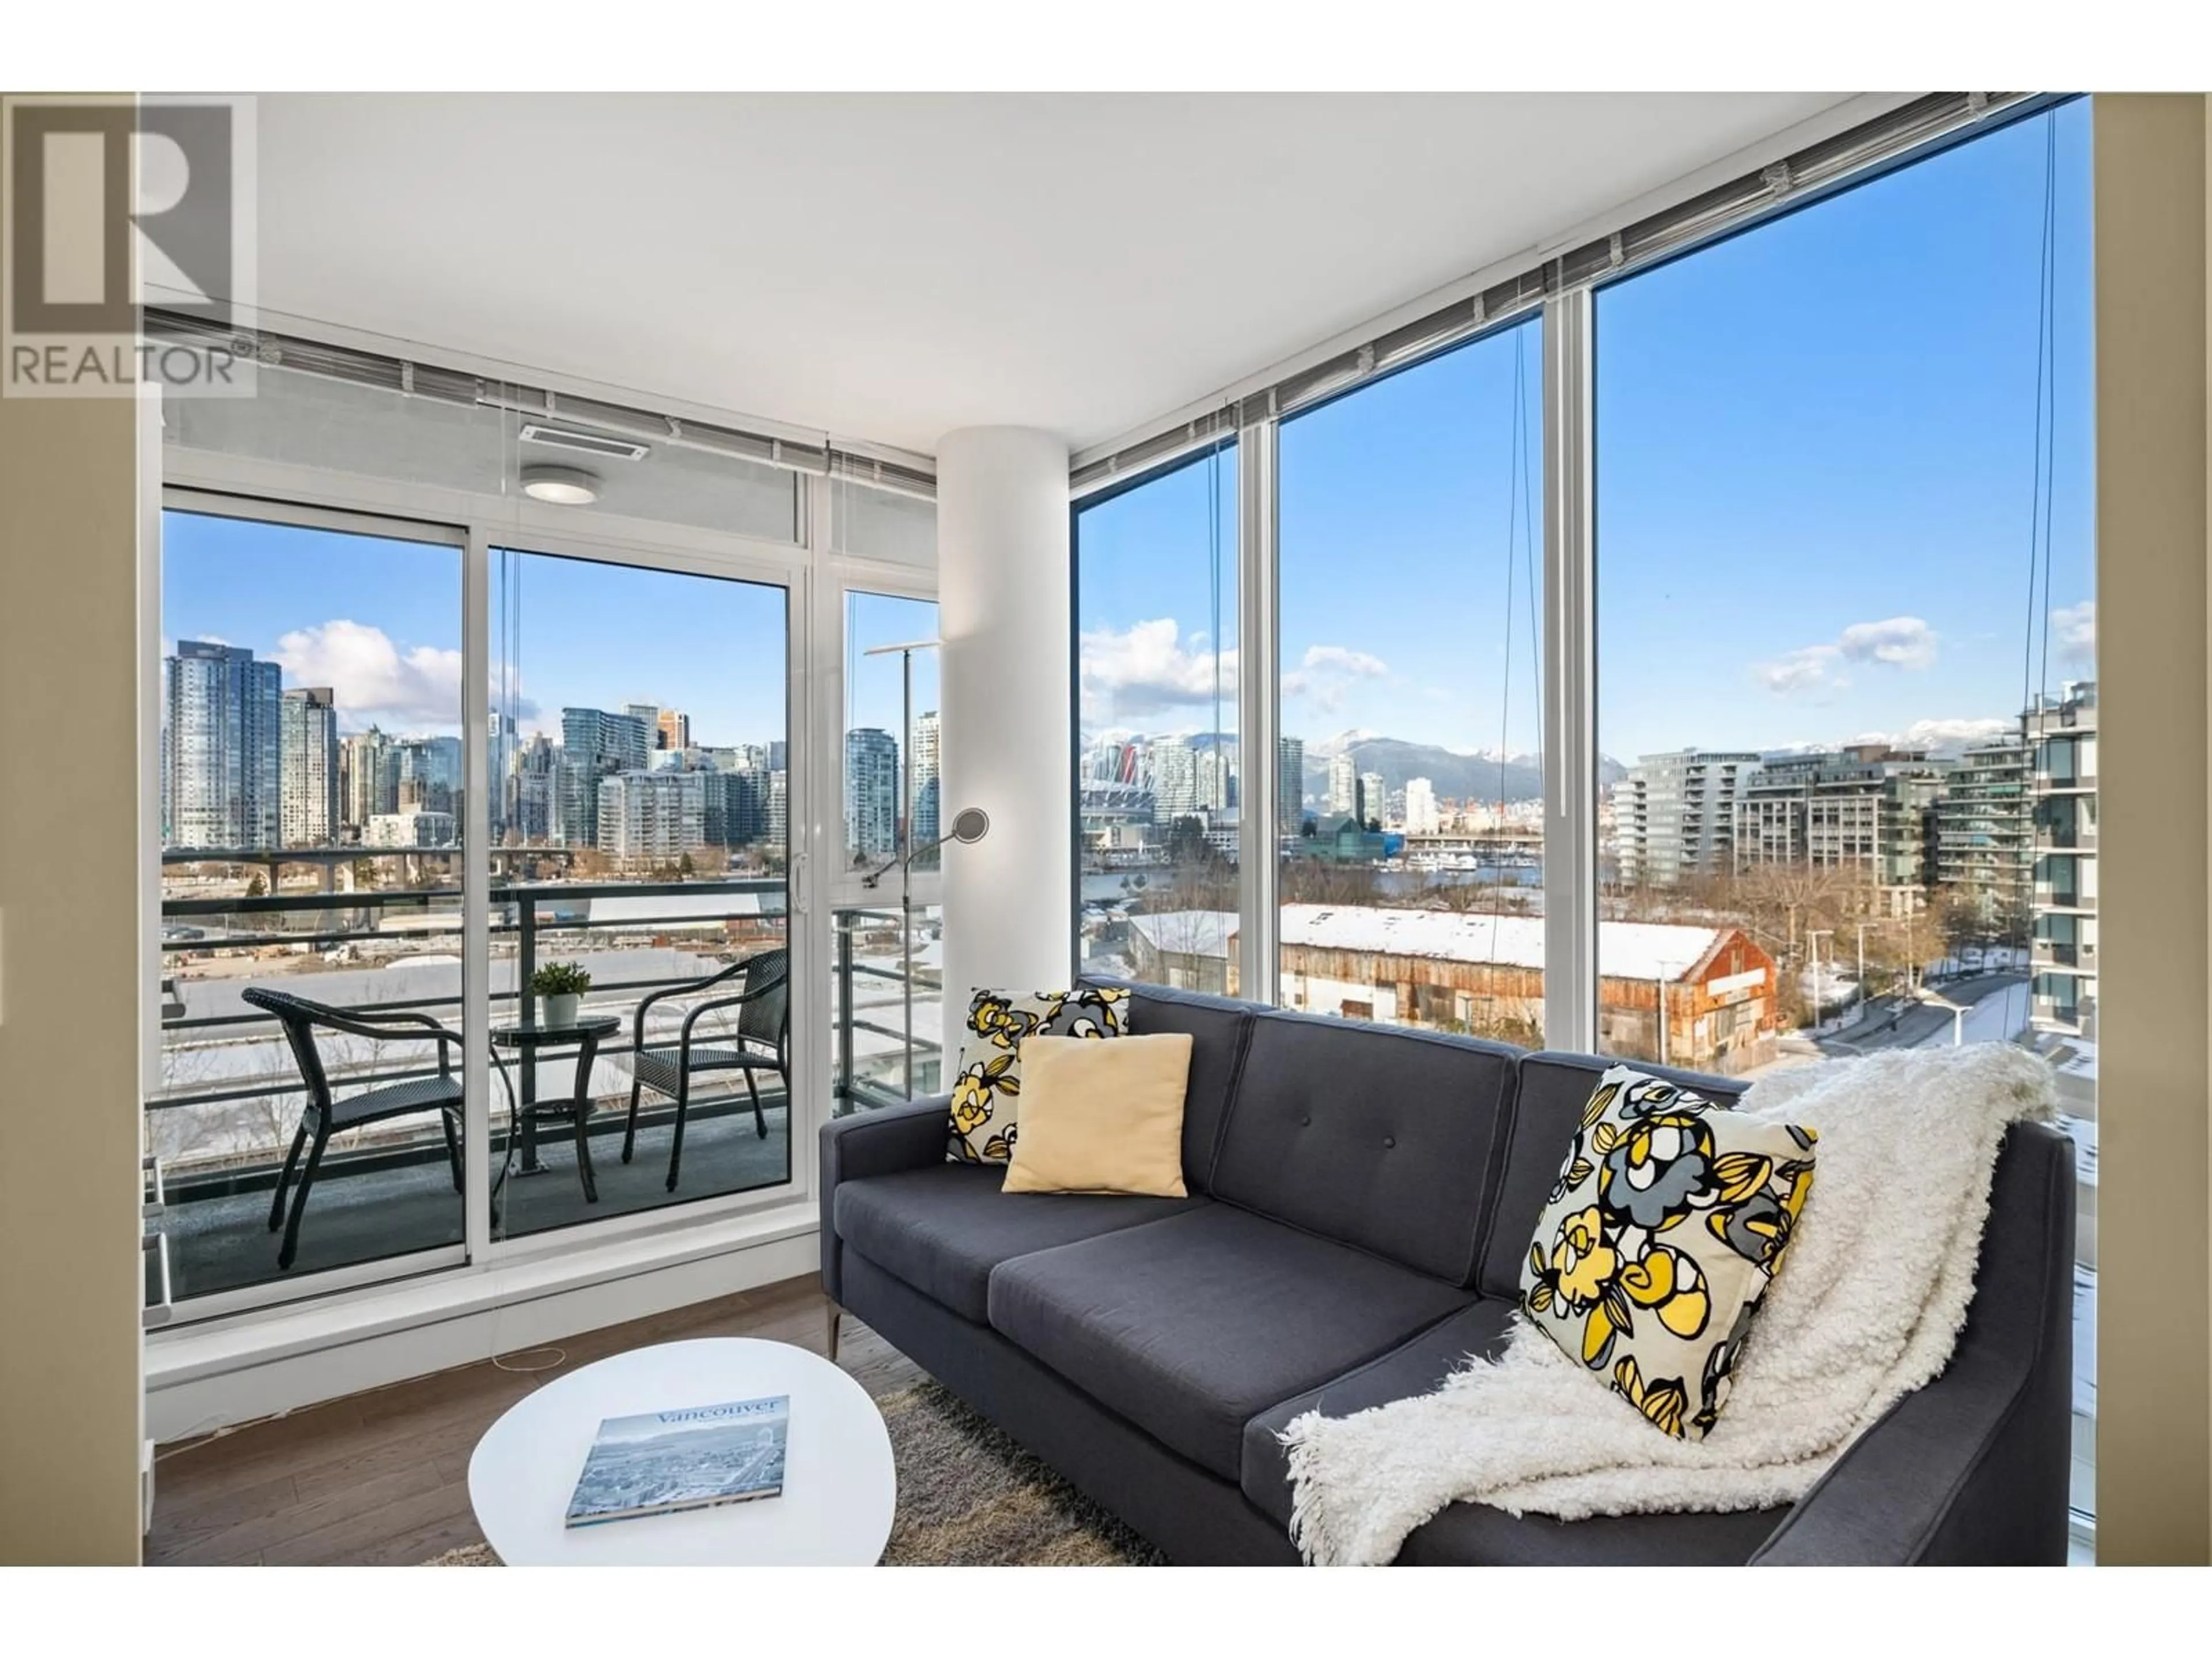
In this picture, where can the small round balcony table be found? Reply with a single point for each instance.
(532, 1041)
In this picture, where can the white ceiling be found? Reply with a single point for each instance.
(891, 267)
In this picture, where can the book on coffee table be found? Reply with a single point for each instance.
(664, 1463)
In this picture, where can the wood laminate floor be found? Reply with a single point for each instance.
(381, 1479)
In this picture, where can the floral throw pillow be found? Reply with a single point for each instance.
(1671, 1215)
(986, 1091)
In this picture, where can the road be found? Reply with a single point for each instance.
(1888, 1026)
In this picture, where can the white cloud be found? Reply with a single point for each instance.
(2074, 631)
(1150, 668)
(1327, 672)
(1892, 642)
(1812, 668)
(1900, 641)
(374, 681)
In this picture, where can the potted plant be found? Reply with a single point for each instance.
(562, 984)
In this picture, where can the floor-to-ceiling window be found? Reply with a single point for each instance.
(1846, 635)
(1159, 806)
(468, 708)
(638, 752)
(1764, 728)
(312, 805)
(1409, 822)
(887, 951)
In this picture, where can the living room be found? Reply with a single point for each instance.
(645, 675)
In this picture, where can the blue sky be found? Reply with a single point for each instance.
(1815, 473)
(380, 620)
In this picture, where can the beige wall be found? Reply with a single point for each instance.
(2154, 1279)
(69, 982)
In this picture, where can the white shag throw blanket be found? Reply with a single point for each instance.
(1866, 1309)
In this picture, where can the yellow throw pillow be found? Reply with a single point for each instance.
(987, 1091)
(1102, 1117)
(1671, 1217)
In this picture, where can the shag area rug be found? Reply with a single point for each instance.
(968, 1497)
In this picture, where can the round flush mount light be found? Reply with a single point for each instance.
(565, 486)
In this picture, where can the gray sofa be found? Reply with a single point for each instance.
(1360, 1201)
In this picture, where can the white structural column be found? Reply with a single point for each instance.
(1007, 680)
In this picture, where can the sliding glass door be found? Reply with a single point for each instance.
(311, 855)
(639, 917)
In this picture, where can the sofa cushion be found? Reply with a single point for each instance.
(1475, 1534)
(1381, 1139)
(944, 1228)
(1415, 1366)
(1191, 1326)
(1547, 1111)
(1220, 1028)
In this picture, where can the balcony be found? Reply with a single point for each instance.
(889, 973)
(231, 1093)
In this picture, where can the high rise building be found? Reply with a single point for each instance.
(871, 793)
(1369, 803)
(1343, 784)
(220, 747)
(369, 778)
(737, 807)
(529, 809)
(672, 729)
(647, 714)
(1675, 816)
(652, 817)
(2062, 735)
(1422, 817)
(595, 744)
(308, 767)
(429, 775)
(779, 810)
(1174, 780)
(1982, 829)
(1867, 809)
(1216, 777)
(1290, 783)
(926, 734)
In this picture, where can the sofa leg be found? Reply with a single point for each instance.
(836, 1316)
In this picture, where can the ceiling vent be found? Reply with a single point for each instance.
(584, 443)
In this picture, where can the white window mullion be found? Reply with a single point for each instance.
(475, 889)
(1259, 713)
(1570, 679)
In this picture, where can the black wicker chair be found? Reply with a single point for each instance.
(763, 1044)
(324, 1116)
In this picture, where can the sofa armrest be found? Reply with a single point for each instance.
(909, 1136)
(1973, 1468)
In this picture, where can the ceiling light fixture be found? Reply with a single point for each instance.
(565, 486)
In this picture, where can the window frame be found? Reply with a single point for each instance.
(813, 578)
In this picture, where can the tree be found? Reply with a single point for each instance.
(1308, 830)
(257, 888)
(1186, 843)
(685, 868)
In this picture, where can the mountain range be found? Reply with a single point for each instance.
(1456, 774)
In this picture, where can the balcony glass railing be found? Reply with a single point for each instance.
(231, 1093)
(889, 978)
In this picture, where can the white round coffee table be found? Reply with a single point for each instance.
(839, 1490)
